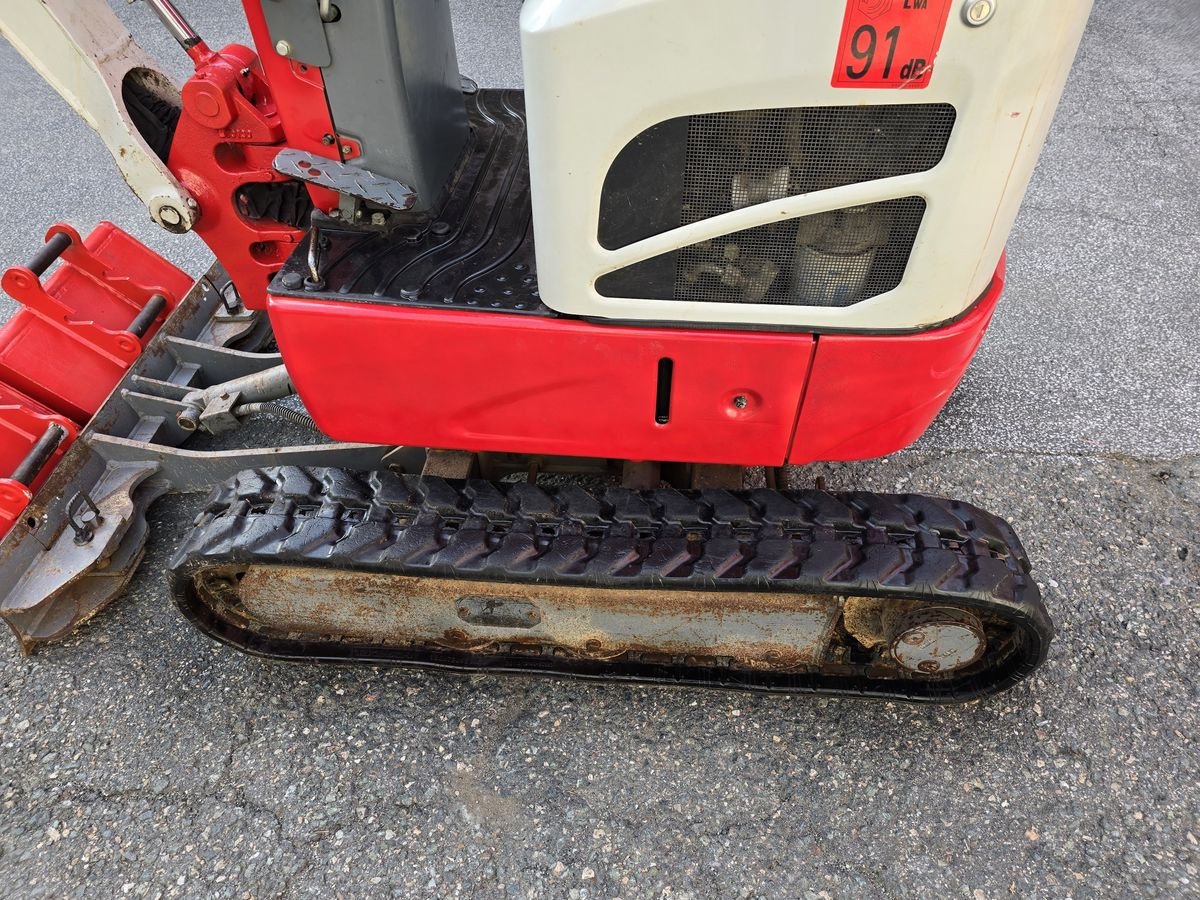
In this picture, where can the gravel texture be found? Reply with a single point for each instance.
(140, 754)
(140, 759)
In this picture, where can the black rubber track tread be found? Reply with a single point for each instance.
(902, 546)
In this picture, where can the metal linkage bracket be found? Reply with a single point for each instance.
(108, 295)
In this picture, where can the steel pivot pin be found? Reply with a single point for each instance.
(978, 12)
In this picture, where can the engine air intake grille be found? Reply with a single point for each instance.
(695, 167)
(834, 258)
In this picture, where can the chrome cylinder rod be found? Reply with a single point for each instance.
(175, 22)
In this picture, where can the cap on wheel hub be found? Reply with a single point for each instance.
(942, 639)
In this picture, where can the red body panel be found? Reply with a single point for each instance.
(491, 381)
(869, 396)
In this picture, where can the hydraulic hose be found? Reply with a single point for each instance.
(278, 411)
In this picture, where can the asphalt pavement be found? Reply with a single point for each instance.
(140, 759)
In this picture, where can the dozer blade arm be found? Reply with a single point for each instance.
(84, 52)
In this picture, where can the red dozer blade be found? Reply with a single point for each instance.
(75, 336)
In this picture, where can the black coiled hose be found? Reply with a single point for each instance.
(277, 410)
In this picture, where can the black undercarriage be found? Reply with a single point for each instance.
(765, 590)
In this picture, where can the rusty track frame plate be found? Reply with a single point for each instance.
(754, 630)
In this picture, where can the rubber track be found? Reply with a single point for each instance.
(904, 546)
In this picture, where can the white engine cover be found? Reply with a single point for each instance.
(600, 72)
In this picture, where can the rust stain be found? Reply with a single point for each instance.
(757, 630)
(399, 588)
(872, 620)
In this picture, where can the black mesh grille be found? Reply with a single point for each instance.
(692, 168)
(743, 159)
(831, 259)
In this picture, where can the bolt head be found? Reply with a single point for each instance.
(347, 149)
(378, 218)
(283, 48)
(978, 12)
(741, 401)
(170, 215)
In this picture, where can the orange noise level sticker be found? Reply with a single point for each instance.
(889, 43)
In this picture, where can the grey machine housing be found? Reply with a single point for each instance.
(392, 80)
